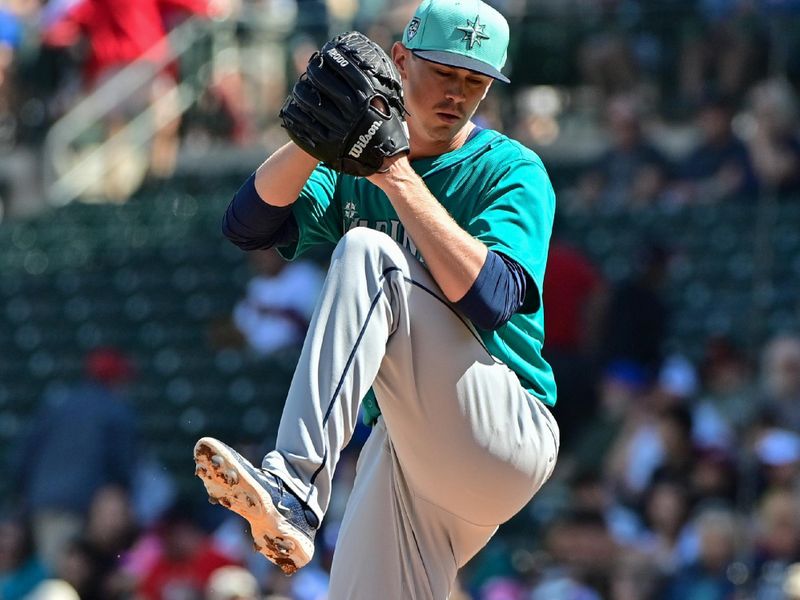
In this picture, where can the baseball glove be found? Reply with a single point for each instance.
(347, 109)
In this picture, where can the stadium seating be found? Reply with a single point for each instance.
(152, 275)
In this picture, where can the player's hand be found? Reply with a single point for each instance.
(394, 170)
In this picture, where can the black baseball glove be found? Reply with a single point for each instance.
(347, 109)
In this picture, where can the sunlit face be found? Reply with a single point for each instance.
(441, 100)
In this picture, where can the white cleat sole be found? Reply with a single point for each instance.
(230, 485)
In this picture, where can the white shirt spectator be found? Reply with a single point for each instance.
(277, 309)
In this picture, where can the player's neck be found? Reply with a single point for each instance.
(437, 148)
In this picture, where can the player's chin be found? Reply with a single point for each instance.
(445, 131)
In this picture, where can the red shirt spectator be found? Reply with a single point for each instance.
(569, 286)
(186, 563)
(120, 32)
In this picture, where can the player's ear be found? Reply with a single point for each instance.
(400, 57)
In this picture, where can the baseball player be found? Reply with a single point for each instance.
(432, 301)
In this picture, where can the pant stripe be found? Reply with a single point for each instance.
(452, 310)
(350, 358)
(341, 381)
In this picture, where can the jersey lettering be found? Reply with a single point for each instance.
(409, 243)
(358, 223)
(395, 234)
(391, 227)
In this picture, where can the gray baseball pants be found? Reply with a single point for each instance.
(460, 448)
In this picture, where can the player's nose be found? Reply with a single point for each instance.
(455, 91)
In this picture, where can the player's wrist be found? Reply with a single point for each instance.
(397, 174)
(301, 155)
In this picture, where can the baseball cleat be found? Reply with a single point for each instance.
(283, 528)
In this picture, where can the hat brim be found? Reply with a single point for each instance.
(451, 59)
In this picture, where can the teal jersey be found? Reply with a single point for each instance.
(497, 190)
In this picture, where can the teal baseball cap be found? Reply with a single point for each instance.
(468, 34)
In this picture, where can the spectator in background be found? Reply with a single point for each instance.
(728, 47)
(780, 376)
(634, 578)
(574, 290)
(719, 167)
(10, 39)
(606, 58)
(707, 578)
(54, 589)
(666, 505)
(773, 143)
(676, 383)
(778, 455)
(280, 299)
(312, 20)
(621, 388)
(791, 585)
(109, 533)
(187, 558)
(713, 476)
(111, 527)
(590, 492)
(727, 405)
(19, 185)
(81, 440)
(655, 439)
(636, 321)
(562, 585)
(232, 583)
(675, 435)
(583, 552)
(81, 567)
(777, 542)
(20, 569)
(121, 34)
(631, 173)
(369, 12)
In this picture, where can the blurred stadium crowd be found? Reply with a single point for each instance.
(128, 327)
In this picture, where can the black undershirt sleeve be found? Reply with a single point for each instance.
(252, 224)
(498, 292)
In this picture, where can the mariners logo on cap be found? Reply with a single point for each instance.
(413, 27)
(473, 33)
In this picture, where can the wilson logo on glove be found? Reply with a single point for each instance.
(340, 60)
(364, 139)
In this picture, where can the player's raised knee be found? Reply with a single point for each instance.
(362, 240)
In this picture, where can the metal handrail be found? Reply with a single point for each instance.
(66, 180)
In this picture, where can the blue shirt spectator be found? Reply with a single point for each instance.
(81, 440)
(10, 29)
(719, 167)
